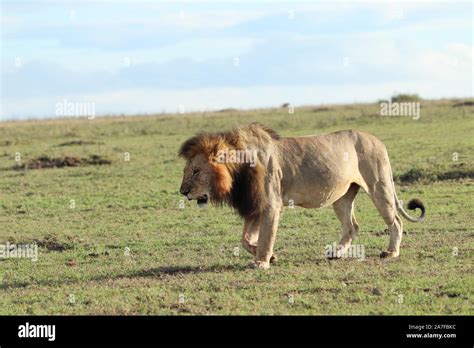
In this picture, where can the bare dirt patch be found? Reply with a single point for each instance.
(52, 244)
(44, 162)
(77, 142)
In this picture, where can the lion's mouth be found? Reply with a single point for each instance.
(202, 201)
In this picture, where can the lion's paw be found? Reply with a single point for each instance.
(387, 254)
(260, 264)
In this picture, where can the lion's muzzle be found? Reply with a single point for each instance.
(202, 201)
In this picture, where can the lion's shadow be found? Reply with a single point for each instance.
(176, 270)
(158, 273)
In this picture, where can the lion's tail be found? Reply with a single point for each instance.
(413, 204)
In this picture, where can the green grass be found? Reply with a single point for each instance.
(130, 249)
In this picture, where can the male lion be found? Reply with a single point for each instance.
(311, 172)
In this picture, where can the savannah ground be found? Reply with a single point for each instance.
(113, 238)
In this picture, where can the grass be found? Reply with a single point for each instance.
(114, 240)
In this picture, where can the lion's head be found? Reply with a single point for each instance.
(207, 178)
(204, 178)
(200, 180)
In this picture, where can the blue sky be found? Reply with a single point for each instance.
(152, 56)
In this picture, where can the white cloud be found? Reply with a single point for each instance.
(451, 64)
(208, 19)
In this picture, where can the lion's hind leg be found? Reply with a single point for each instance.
(384, 199)
(344, 209)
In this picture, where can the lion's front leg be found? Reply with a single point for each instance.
(250, 237)
(268, 228)
(270, 216)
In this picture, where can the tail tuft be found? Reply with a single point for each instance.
(417, 204)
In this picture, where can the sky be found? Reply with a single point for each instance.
(143, 57)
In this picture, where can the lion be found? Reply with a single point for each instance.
(311, 171)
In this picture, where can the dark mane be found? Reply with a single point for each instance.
(248, 192)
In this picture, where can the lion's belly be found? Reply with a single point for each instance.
(316, 196)
(319, 183)
(318, 170)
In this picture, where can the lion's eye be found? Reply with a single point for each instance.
(195, 172)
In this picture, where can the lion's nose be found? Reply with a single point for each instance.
(184, 191)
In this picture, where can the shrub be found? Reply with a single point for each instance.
(400, 98)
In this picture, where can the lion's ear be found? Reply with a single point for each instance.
(217, 152)
(189, 148)
(217, 158)
(213, 159)
(223, 183)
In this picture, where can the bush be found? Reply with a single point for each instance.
(411, 175)
(400, 98)
(420, 175)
